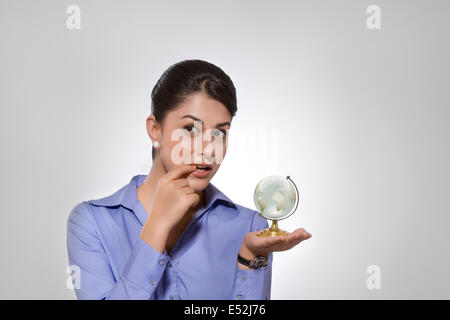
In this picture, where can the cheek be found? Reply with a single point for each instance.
(217, 154)
(180, 150)
(215, 168)
(175, 151)
(224, 149)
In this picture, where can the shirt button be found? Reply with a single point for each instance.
(169, 264)
(152, 282)
(239, 297)
(243, 278)
(170, 298)
(161, 262)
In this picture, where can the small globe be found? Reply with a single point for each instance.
(276, 197)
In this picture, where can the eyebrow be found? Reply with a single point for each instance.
(221, 124)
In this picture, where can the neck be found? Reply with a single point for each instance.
(147, 189)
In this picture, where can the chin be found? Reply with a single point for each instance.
(198, 184)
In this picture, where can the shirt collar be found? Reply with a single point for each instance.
(127, 197)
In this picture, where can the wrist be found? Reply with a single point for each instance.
(155, 235)
(156, 224)
(247, 254)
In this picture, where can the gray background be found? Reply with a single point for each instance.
(361, 116)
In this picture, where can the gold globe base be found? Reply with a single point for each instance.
(273, 231)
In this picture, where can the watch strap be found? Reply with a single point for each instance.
(253, 264)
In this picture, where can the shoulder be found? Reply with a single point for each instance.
(86, 210)
(80, 217)
(79, 212)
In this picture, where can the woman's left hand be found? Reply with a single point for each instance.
(253, 246)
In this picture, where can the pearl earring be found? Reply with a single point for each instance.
(156, 144)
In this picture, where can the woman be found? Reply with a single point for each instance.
(172, 234)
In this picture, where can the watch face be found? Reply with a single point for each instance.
(260, 262)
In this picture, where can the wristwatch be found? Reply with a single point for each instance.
(257, 263)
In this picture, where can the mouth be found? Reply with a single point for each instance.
(202, 170)
(203, 167)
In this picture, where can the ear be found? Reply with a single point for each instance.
(153, 128)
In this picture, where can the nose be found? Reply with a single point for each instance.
(204, 151)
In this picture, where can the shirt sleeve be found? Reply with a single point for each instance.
(254, 284)
(92, 274)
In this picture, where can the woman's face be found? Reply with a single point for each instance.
(195, 133)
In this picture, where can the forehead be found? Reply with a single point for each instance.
(203, 107)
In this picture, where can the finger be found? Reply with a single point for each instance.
(301, 233)
(180, 171)
(187, 190)
(181, 183)
(297, 237)
(193, 199)
(294, 242)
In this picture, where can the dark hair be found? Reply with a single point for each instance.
(188, 77)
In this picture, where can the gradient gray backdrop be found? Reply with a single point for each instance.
(362, 119)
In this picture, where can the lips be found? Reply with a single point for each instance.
(202, 170)
(203, 167)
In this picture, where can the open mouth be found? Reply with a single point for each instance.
(203, 167)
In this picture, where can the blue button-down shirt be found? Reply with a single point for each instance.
(113, 262)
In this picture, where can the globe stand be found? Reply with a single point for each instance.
(273, 231)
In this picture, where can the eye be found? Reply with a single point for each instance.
(193, 130)
(218, 133)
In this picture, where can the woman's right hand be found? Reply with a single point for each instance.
(172, 199)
